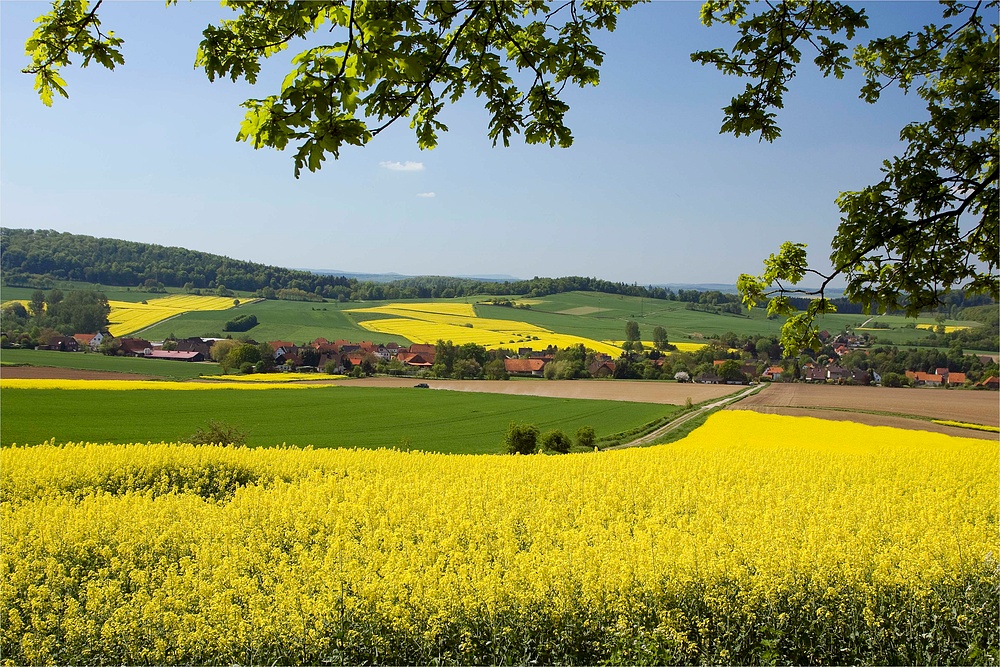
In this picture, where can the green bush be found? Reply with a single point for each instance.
(219, 433)
(521, 438)
(556, 441)
(585, 436)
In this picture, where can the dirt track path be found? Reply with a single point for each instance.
(680, 421)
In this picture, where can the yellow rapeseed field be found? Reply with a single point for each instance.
(757, 539)
(681, 346)
(273, 377)
(948, 328)
(127, 317)
(56, 383)
(458, 322)
(976, 427)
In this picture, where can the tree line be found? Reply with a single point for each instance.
(53, 313)
(38, 258)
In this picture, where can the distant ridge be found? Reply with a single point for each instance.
(831, 292)
(391, 277)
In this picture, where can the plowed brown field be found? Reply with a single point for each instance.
(609, 390)
(856, 404)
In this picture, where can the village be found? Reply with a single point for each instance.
(418, 360)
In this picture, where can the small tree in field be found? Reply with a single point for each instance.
(585, 436)
(521, 438)
(556, 441)
(219, 433)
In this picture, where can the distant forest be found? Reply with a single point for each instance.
(39, 258)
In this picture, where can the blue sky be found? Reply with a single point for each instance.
(650, 192)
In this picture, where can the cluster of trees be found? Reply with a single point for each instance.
(951, 306)
(243, 355)
(468, 362)
(29, 254)
(526, 439)
(986, 337)
(84, 311)
(886, 360)
(241, 323)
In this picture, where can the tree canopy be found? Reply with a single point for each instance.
(931, 224)
(928, 227)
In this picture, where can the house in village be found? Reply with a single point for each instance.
(920, 378)
(91, 341)
(525, 367)
(773, 373)
(133, 347)
(837, 373)
(815, 374)
(173, 355)
(194, 344)
(601, 368)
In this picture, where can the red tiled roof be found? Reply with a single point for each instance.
(956, 378)
(413, 359)
(175, 355)
(523, 365)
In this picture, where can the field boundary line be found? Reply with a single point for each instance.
(649, 438)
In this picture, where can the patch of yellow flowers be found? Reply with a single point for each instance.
(430, 322)
(757, 538)
(127, 317)
(32, 383)
(947, 329)
(274, 377)
(682, 346)
(976, 427)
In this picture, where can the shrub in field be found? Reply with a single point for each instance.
(521, 439)
(219, 433)
(585, 436)
(556, 441)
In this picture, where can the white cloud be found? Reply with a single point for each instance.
(402, 166)
(427, 195)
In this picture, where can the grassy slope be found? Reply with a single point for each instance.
(442, 421)
(294, 321)
(304, 321)
(169, 370)
(680, 323)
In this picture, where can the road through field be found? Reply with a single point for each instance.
(680, 421)
(671, 393)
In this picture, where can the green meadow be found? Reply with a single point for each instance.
(603, 316)
(589, 314)
(364, 417)
(295, 321)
